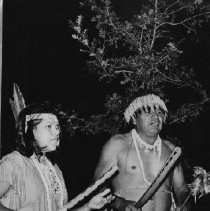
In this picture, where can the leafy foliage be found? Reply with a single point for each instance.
(140, 55)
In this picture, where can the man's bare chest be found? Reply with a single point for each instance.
(148, 164)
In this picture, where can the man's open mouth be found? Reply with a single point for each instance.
(154, 123)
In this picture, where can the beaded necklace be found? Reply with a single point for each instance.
(50, 179)
(157, 144)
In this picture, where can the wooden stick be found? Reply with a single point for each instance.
(159, 178)
(90, 189)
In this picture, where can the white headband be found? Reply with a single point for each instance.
(37, 116)
(152, 101)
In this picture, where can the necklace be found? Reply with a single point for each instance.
(50, 179)
(157, 144)
(145, 144)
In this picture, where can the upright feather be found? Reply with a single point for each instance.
(18, 102)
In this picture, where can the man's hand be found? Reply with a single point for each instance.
(122, 204)
(131, 207)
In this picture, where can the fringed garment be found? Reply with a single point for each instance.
(27, 191)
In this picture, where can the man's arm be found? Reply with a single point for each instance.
(180, 187)
(108, 157)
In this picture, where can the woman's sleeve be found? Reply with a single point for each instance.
(12, 171)
(5, 170)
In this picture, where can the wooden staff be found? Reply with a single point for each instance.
(159, 178)
(90, 189)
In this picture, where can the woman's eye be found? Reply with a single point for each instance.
(49, 126)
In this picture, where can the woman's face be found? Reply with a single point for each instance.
(46, 133)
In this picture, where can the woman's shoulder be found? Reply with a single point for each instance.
(12, 166)
(14, 158)
(15, 155)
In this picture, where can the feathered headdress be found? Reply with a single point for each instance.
(144, 102)
(18, 102)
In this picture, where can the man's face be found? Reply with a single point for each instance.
(150, 124)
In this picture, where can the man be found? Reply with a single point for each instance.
(139, 155)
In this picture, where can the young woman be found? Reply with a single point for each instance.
(28, 180)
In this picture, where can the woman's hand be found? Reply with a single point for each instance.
(101, 199)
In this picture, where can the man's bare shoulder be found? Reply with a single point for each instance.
(118, 141)
(120, 137)
(111, 149)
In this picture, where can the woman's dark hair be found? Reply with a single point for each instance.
(25, 142)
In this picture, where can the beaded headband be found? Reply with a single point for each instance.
(37, 116)
(146, 102)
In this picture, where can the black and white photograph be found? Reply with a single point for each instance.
(105, 105)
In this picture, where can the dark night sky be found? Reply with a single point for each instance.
(42, 58)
